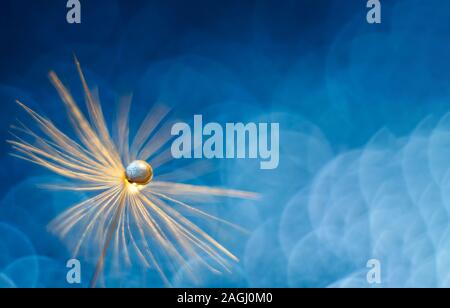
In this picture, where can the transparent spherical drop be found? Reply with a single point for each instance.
(139, 172)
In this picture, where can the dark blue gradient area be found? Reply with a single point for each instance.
(364, 131)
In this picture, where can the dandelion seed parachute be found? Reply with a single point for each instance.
(130, 215)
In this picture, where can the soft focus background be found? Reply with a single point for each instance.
(365, 138)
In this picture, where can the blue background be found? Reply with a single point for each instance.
(365, 140)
